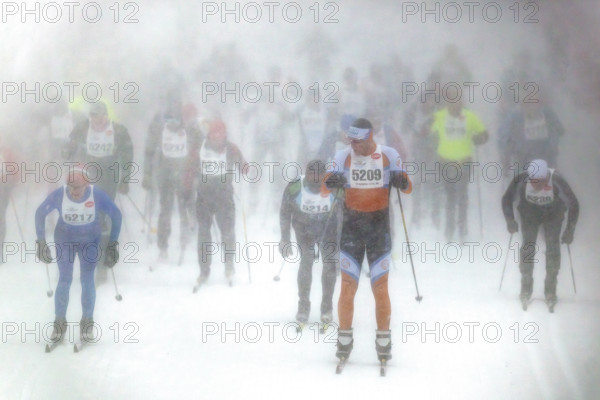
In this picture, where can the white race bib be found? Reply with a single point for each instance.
(212, 162)
(313, 203)
(83, 213)
(101, 144)
(174, 143)
(366, 172)
(536, 128)
(540, 197)
(456, 128)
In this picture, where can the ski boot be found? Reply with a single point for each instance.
(551, 302)
(301, 319)
(525, 300)
(345, 344)
(383, 345)
(344, 348)
(58, 331)
(326, 319)
(86, 330)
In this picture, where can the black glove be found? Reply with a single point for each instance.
(286, 249)
(43, 251)
(112, 254)
(400, 180)
(567, 236)
(336, 181)
(512, 226)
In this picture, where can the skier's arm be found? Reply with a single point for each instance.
(509, 197)
(570, 200)
(52, 202)
(285, 214)
(105, 204)
(76, 138)
(152, 140)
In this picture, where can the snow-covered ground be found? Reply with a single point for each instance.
(465, 340)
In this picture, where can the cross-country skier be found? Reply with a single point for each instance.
(214, 164)
(77, 232)
(106, 147)
(366, 170)
(458, 130)
(542, 197)
(170, 140)
(308, 207)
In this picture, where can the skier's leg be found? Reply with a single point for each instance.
(528, 256)
(204, 215)
(451, 203)
(552, 229)
(65, 254)
(462, 200)
(89, 255)
(379, 247)
(225, 217)
(330, 255)
(352, 253)
(307, 257)
(166, 201)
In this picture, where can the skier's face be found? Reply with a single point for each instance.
(362, 147)
(98, 121)
(77, 188)
(217, 138)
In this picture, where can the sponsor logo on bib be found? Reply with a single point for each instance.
(89, 203)
(375, 156)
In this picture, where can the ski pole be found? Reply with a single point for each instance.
(146, 222)
(17, 218)
(276, 278)
(419, 297)
(572, 272)
(118, 296)
(505, 261)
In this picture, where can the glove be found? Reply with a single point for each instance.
(112, 254)
(512, 226)
(286, 249)
(43, 251)
(147, 182)
(124, 188)
(400, 180)
(336, 181)
(567, 236)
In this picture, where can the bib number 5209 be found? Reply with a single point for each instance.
(366, 175)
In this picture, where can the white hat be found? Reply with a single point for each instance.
(537, 169)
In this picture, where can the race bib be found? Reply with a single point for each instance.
(313, 203)
(366, 172)
(83, 213)
(174, 144)
(211, 161)
(101, 144)
(536, 128)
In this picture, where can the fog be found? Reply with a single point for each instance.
(143, 53)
